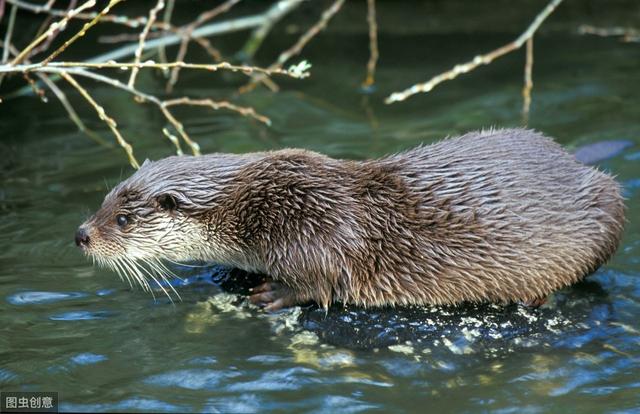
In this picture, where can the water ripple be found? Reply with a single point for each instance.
(245, 403)
(205, 360)
(42, 297)
(87, 358)
(128, 405)
(80, 315)
(7, 376)
(277, 380)
(192, 379)
(340, 404)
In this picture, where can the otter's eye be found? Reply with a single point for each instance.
(122, 220)
(167, 202)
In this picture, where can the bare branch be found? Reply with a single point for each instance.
(205, 44)
(153, 14)
(242, 23)
(9, 33)
(299, 45)
(327, 15)
(476, 61)
(245, 111)
(60, 25)
(162, 105)
(247, 70)
(188, 31)
(528, 82)
(7, 37)
(73, 115)
(48, 70)
(39, 92)
(102, 115)
(82, 31)
(174, 140)
(373, 44)
(195, 148)
(143, 97)
(133, 22)
(166, 19)
(626, 34)
(45, 24)
(258, 35)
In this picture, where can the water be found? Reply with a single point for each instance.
(73, 328)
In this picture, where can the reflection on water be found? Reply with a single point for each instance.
(76, 329)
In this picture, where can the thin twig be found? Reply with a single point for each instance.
(47, 43)
(476, 61)
(38, 91)
(153, 14)
(9, 33)
(245, 111)
(258, 35)
(187, 33)
(82, 31)
(626, 34)
(204, 43)
(528, 82)
(241, 23)
(310, 34)
(373, 44)
(166, 19)
(275, 12)
(7, 37)
(299, 45)
(60, 25)
(195, 147)
(48, 69)
(247, 70)
(144, 97)
(162, 105)
(174, 140)
(102, 115)
(44, 26)
(73, 115)
(132, 22)
(127, 37)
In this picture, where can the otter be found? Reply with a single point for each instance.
(500, 215)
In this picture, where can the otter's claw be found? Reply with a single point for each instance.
(272, 296)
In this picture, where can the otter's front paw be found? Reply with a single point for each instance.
(272, 296)
(535, 303)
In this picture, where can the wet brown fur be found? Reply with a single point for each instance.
(499, 216)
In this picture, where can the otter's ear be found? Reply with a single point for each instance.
(167, 202)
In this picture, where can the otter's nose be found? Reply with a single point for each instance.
(82, 237)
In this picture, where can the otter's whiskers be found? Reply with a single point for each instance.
(141, 271)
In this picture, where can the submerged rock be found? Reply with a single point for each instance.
(570, 318)
(596, 152)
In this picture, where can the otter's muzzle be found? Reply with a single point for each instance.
(82, 237)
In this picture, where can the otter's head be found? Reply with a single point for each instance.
(154, 215)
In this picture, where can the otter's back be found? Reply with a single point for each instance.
(540, 219)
